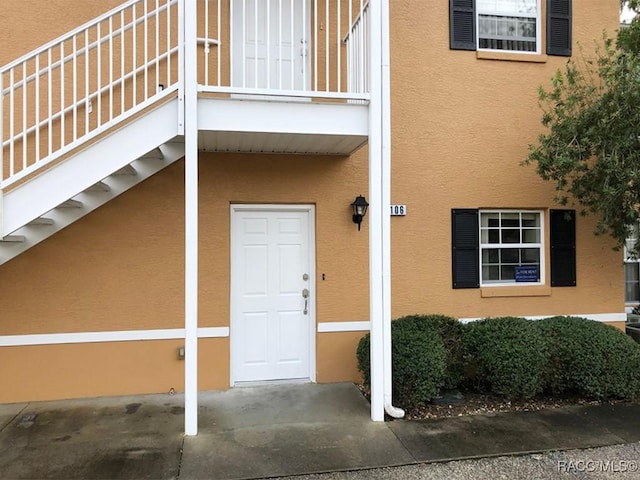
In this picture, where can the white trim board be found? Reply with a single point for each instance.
(364, 326)
(325, 327)
(105, 337)
(597, 317)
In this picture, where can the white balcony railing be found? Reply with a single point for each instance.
(308, 48)
(80, 85)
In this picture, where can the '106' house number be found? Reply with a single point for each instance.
(398, 210)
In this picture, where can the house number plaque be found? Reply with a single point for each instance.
(398, 210)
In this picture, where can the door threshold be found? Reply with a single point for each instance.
(268, 383)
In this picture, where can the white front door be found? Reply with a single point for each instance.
(272, 314)
(270, 44)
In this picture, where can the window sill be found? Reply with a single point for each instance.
(512, 57)
(516, 291)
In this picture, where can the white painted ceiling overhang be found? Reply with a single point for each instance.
(268, 126)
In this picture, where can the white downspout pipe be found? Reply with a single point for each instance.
(190, 79)
(375, 216)
(386, 217)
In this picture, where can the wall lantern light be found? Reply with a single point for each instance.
(359, 206)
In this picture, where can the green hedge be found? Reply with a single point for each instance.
(507, 355)
(590, 359)
(418, 363)
(450, 331)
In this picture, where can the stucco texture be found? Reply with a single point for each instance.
(460, 129)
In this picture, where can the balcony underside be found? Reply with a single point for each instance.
(281, 126)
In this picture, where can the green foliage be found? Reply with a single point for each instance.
(590, 359)
(591, 149)
(508, 355)
(449, 330)
(419, 366)
(418, 363)
(363, 355)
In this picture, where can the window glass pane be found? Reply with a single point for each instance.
(510, 255)
(631, 272)
(530, 220)
(508, 272)
(531, 236)
(490, 255)
(489, 219)
(530, 255)
(490, 273)
(527, 7)
(632, 293)
(510, 236)
(510, 220)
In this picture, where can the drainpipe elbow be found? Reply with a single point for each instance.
(392, 411)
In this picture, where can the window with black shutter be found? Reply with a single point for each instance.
(511, 27)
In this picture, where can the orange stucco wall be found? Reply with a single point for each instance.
(460, 128)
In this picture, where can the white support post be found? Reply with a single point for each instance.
(386, 218)
(191, 216)
(376, 212)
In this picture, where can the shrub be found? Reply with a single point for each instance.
(418, 363)
(590, 359)
(449, 330)
(508, 355)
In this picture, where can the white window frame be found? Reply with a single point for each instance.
(537, 16)
(629, 260)
(540, 246)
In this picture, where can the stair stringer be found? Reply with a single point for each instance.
(59, 218)
(32, 199)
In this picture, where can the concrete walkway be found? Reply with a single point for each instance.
(274, 431)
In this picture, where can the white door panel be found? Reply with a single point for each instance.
(270, 329)
(270, 41)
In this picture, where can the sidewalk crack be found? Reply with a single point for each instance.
(180, 459)
(3, 427)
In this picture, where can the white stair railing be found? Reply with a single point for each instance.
(78, 86)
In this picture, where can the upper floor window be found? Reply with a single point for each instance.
(510, 25)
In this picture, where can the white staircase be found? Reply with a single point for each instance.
(67, 149)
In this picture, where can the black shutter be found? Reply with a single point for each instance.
(563, 248)
(462, 25)
(465, 248)
(559, 27)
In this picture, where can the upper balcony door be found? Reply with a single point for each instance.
(271, 44)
